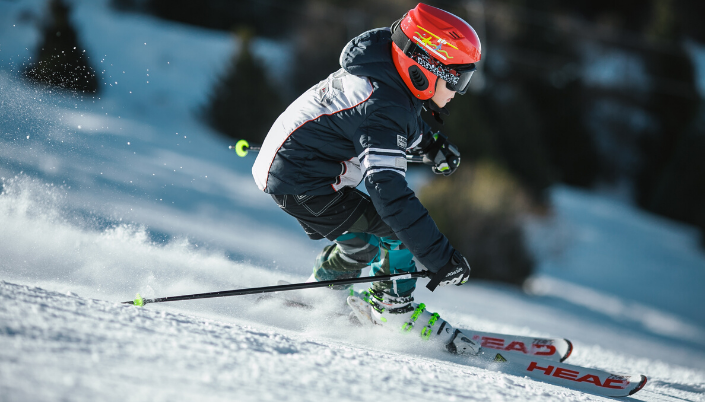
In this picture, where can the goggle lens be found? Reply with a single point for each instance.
(461, 86)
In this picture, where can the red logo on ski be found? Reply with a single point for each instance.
(613, 381)
(537, 348)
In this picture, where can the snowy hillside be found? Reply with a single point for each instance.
(64, 347)
(129, 192)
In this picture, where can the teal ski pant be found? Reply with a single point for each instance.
(369, 241)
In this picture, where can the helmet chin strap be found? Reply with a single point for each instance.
(436, 111)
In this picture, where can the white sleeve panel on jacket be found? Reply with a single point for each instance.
(339, 92)
(377, 159)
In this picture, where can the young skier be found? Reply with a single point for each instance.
(359, 124)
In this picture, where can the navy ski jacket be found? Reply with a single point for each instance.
(356, 125)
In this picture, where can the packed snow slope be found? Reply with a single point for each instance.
(128, 191)
(65, 347)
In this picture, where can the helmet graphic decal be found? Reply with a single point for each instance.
(427, 42)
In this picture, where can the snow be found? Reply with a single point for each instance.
(127, 192)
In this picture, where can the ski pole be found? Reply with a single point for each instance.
(139, 301)
(242, 147)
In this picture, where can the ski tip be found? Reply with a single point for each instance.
(139, 301)
(640, 386)
(569, 351)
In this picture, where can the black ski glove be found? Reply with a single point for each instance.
(455, 272)
(441, 154)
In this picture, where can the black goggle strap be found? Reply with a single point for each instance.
(457, 78)
(400, 38)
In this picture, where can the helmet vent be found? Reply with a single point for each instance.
(418, 78)
(454, 35)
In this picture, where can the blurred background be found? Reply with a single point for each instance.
(604, 96)
(580, 202)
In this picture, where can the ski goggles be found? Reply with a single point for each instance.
(457, 77)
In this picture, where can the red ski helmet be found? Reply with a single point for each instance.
(429, 43)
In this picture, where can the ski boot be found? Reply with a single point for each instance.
(325, 269)
(402, 314)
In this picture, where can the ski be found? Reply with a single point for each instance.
(590, 380)
(555, 349)
(538, 358)
(552, 349)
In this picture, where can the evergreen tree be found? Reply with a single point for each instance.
(672, 181)
(679, 191)
(243, 103)
(62, 61)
